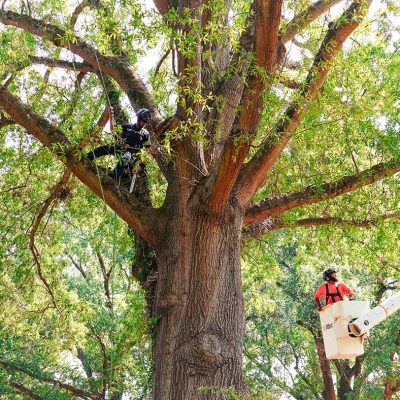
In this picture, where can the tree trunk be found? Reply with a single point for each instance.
(199, 303)
(344, 387)
(329, 389)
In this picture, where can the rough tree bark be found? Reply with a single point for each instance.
(199, 302)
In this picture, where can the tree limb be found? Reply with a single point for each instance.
(24, 390)
(67, 387)
(78, 10)
(317, 193)
(163, 6)
(56, 192)
(116, 67)
(267, 20)
(231, 91)
(138, 216)
(254, 173)
(258, 229)
(78, 266)
(73, 66)
(106, 280)
(299, 22)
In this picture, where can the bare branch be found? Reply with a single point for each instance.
(254, 174)
(11, 189)
(138, 216)
(299, 22)
(315, 194)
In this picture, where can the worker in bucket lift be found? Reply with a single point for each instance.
(332, 290)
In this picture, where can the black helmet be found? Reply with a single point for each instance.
(326, 274)
(143, 115)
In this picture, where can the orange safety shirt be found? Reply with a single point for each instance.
(333, 289)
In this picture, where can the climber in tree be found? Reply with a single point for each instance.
(132, 140)
(332, 290)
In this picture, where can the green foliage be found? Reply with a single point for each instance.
(94, 339)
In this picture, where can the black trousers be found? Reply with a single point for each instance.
(108, 149)
(117, 151)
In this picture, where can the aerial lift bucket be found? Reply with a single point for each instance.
(335, 319)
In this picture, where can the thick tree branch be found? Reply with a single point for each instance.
(258, 229)
(116, 67)
(254, 173)
(312, 222)
(73, 66)
(301, 21)
(230, 91)
(139, 217)
(163, 6)
(315, 194)
(267, 19)
(78, 10)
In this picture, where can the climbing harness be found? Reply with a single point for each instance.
(332, 295)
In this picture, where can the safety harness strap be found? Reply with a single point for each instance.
(333, 295)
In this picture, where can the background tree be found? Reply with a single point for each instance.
(283, 345)
(222, 151)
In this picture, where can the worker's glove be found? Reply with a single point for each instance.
(144, 132)
(126, 156)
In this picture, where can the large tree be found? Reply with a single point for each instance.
(232, 143)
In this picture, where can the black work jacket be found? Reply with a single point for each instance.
(134, 136)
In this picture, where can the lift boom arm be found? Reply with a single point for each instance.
(373, 317)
